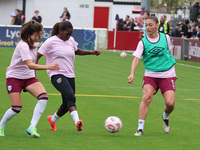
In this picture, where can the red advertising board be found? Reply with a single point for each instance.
(125, 40)
(177, 48)
(194, 50)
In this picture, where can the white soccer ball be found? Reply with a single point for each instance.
(123, 54)
(113, 124)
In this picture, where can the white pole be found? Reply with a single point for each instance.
(115, 37)
(115, 33)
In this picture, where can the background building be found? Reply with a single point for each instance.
(84, 13)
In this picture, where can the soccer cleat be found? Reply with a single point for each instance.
(2, 131)
(52, 124)
(79, 125)
(33, 132)
(166, 125)
(139, 132)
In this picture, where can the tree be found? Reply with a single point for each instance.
(170, 5)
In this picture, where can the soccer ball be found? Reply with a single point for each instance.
(123, 54)
(113, 124)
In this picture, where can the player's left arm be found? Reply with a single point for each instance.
(168, 28)
(86, 52)
(38, 57)
(170, 47)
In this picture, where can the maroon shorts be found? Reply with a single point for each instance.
(16, 85)
(164, 84)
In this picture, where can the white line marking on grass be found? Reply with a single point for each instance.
(188, 65)
(193, 90)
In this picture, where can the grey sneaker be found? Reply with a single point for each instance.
(139, 132)
(166, 125)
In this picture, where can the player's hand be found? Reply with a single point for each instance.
(54, 66)
(176, 78)
(130, 79)
(96, 52)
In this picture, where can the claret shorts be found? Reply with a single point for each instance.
(16, 85)
(164, 84)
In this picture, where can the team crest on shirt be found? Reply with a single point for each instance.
(156, 50)
(59, 80)
(9, 87)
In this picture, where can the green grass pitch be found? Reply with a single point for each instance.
(102, 91)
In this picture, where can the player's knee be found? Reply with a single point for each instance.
(170, 104)
(64, 108)
(147, 98)
(42, 96)
(69, 102)
(16, 109)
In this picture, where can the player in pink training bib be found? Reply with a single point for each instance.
(61, 48)
(20, 76)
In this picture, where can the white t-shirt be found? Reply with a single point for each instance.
(61, 52)
(18, 68)
(165, 74)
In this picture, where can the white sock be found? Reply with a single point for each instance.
(75, 116)
(39, 109)
(7, 116)
(55, 117)
(165, 115)
(141, 124)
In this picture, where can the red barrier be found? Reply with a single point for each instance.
(125, 40)
(194, 50)
(177, 47)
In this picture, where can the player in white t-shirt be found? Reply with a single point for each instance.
(61, 48)
(21, 75)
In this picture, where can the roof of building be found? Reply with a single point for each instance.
(128, 1)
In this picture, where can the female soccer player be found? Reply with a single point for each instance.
(21, 75)
(159, 72)
(61, 47)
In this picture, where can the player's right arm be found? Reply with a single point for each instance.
(33, 66)
(133, 68)
(137, 55)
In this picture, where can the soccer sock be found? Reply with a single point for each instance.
(141, 124)
(7, 116)
(75, 116)
(39, 109)
(55, 117)
(165, 115)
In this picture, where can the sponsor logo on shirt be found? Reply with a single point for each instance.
(156, 50)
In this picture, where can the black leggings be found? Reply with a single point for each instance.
(66, 86)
